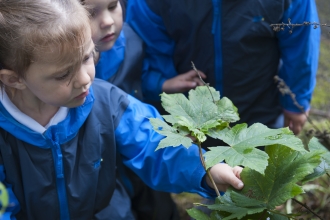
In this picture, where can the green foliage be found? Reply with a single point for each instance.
(202, 113)
(270, 177)
(3, 198)
(279, 183)
(321, 95)
(242, 142)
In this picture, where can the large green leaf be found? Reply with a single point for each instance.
(264, 192)
(249, 157)
(286, 167)
(204, 110)
(242, 141)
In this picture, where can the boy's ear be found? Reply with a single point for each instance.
(11, 79)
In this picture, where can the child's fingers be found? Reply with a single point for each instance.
(202, 74)
(192, 74)
(237, 171)
(232, 178)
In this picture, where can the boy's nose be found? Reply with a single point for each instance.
(81, 79)
(107, 20)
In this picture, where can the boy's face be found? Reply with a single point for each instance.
(106, 22)
(54, 84)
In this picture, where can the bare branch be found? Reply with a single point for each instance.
(291, 26)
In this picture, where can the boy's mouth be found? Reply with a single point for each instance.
(108, 37)
(83, 95)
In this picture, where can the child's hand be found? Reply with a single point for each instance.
(295, 121)
(224, 175)
(183, 82)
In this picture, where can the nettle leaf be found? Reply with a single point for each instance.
(199, 113)
(243, 141)
(174, 138)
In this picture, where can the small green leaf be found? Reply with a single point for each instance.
(197, 214)
(170, 119)
(215, 216)
(314, 146)
(227, 111)
(4, 198)
(173, 137)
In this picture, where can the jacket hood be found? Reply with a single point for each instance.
(60, 133)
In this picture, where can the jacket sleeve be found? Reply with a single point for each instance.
(172, 169)
(299, 54)
(13, 205)
(159, 64)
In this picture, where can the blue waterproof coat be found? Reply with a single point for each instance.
(68, 172)
(122, 65)
(233, 43)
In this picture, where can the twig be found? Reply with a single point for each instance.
(207, 170)
(306, 207)
(206, 84)
(285, 90)
(323, 136)
(290, 26)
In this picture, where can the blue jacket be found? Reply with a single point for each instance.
(122, 65)
(233, 43)
(68, 172)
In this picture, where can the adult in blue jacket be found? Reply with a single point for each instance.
(233, 43)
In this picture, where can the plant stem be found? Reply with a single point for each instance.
(306, 207)
(205, 84)
(207, 170)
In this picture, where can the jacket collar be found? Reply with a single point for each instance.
(59, 133)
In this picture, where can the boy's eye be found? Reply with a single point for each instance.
(91, 55)
(113, 6)
(63, 77)
(93, 12)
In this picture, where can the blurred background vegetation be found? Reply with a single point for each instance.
(321, 98)
(317, 195)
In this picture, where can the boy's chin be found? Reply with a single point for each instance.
(104, 46)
